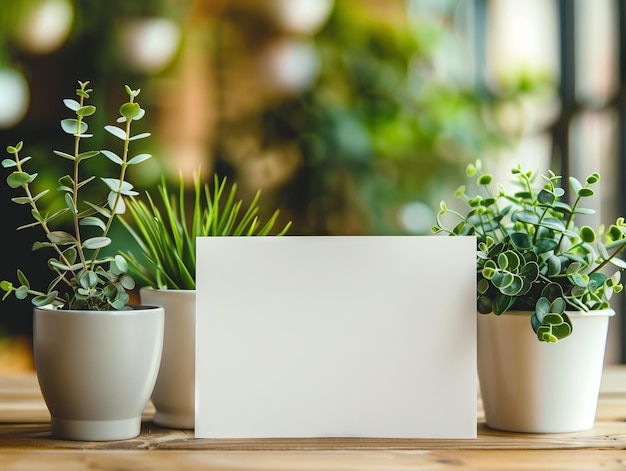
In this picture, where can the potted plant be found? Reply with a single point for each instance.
(544, 284)
(165, 265)
(96, 356)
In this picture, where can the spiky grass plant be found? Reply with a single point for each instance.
(167, 238)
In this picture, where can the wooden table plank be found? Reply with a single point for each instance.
(309, 461)
(25, 428)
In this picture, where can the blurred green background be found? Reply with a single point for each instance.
(353, 116)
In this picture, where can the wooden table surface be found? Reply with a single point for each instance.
(26, 444)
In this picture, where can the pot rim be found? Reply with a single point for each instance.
(593, 313)
(166, 290)
(135, 309)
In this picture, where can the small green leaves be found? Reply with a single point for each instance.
(549, 320)
(81, 278)
(15, 149)
(593, 178)
(531, 253)
(132, 93)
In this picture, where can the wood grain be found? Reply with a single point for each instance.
(26, 443)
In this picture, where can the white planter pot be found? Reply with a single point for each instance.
(174, 393)
(537, 387)
(97, 369)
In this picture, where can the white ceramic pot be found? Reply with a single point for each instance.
(97, 369)
(174, 393)
(538, 387)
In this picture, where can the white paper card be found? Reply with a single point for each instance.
(367, 336)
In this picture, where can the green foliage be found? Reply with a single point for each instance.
(82, 279)
(167, 238)
(531, 253)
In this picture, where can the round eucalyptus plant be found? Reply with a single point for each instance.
(533, 253)
(81, 277)
(166, 237)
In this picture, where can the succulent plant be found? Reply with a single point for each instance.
(81, 277)
(533, 254)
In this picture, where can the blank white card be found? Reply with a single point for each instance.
(336, 337)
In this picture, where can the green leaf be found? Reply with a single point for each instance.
(96, 243)
(69, 202)
(21, 277)
(488, 273)
(502, 303)
(87, 155)
(554, 265)
(112, 156)
(593, 178)
(21, 292)
(71, 126)
(545, 245)
(139, 158)
(542, 308)
(575, 184)
(70, 254)
(17, 179)
(44, 300)
(514, 288)
(562, 330)
(100, 210)
(71, 104)
(578, 280)
(86, 110)
(521, 240)
(484, 180)
(8, 163)
(116, 203)
(483, 305)
(127, 281)
(586, 192)
(93, 221)
(552, 319)
(65, 155)
(61, 238)
(140, 136)
(502, 280)
(130, 110)
(117, 132)
(21, 200)
(618, 262)
(88, 279)
(545, 197)
(587, 234)
(527, 217)
(120, 263)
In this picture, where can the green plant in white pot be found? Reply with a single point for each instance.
(165, 230)
(96, 356)
(544, 284)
